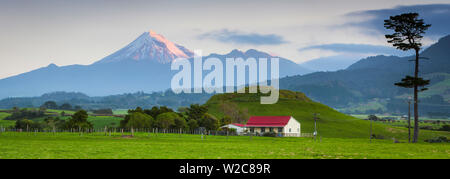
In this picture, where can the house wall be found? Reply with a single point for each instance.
(292, 129)
(267, 129)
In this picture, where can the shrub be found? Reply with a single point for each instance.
(377, 136)
(439, 139)
(269, 134)
(103, 111)
(426, 127)
(445, 127)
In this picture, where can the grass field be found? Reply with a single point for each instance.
(59, 111)
(5, 123)
(102, 121)
(173, 146)
(120, 111)
(364, 116)
(404, 123)
(3, 115)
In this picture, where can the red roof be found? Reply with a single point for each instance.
(237, 124)
(268, 121)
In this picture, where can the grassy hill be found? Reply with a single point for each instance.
(331, 123)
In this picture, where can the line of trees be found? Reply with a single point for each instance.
(25, 113)
(78, 121)
(65, 106)
(187, 118)
(190, 118)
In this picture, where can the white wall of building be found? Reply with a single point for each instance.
(292, 129)
(239, 130)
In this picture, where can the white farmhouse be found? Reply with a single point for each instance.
(282, 125)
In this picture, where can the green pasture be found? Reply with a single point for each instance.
(175, 146)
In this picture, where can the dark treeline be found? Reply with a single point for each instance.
(64, 106)
(122, 101)
(190, 118)
(76, 122)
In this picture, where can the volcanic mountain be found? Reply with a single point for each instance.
(149, 46)
(142, 65)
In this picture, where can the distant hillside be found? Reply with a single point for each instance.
(122, 101)
(438, 60)
(332, 63)
(373, 78)
(331, 123)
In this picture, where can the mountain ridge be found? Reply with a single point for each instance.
(142, 65)
(373, 78)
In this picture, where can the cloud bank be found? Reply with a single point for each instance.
(237, 37)
(438, 15)
(357, 49)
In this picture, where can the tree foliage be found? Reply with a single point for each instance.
(50, 105)
(155, 111)
(25, 114)
(192, 124)
(166, 120)
(79, 121)
(196, 112)
(137, 120)
(209, 122)
(235, 114)
(24, 124)
(410, 82)
(408, 30)
(66, 106)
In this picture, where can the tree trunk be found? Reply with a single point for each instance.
(409, 120)
(416, 102)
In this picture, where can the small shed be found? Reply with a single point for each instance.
(240, 128)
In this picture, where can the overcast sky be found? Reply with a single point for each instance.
(36, 33)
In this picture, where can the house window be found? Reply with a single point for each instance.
(263, 129)
(271, 129)
(280, 129)
(289, 129)
(252, 130)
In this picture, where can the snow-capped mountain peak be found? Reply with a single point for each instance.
(149, 46)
